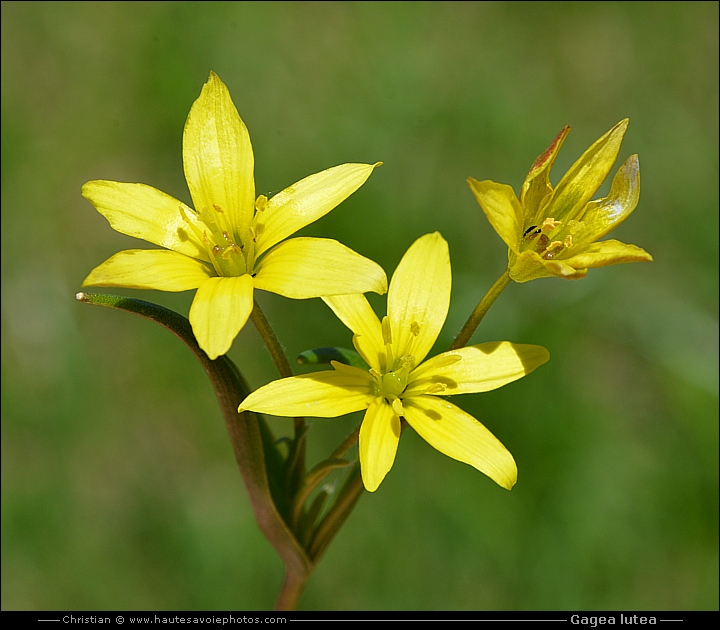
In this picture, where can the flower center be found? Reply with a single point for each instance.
(392, 380)
(547, 240)
(226, 255)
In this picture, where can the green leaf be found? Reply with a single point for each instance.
(328, 354)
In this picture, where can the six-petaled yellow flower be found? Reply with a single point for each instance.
(230, 244)
(553, 232)
(398, 384)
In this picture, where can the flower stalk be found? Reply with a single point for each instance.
(480, 310)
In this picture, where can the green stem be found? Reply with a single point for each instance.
(297, 470)
(483, 306)
(292, 588)
(271, 341)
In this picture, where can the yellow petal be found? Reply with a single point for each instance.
(480, 368)
(378, 442)
(321, 394)
(218, 157)
(219, 311)
(150, 269)
(529, 266)
(583, 179)
(419, 296)
(313, 267)
(356, 313)
(306, 201)
(147, 213)
(561, 269)
(603, 215)
(458, 435)
(536, 187)
(607, 253)
(502, 209)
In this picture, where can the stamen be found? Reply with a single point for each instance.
(208, 218)
(550, 224)
(436, 388)
(398, 408)
(568, 241)
(406, 364)
(261, 203)
(190, 223)
(415, 329)
(218, 208)
(542, 243)
(386, 331)
(555, 248)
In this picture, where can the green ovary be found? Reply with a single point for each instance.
(393, 384)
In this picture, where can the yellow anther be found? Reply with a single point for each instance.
(218, 208)
(407, 363)
(386, 331)
(436, 388)
(568, 241)
(261, 203)
(398, 408)
(550, 224)
(415, 329)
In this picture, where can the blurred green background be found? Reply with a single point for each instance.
(119, 487)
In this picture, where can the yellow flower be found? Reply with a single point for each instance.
(398, 383)
(230, 244)
(553, 232)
